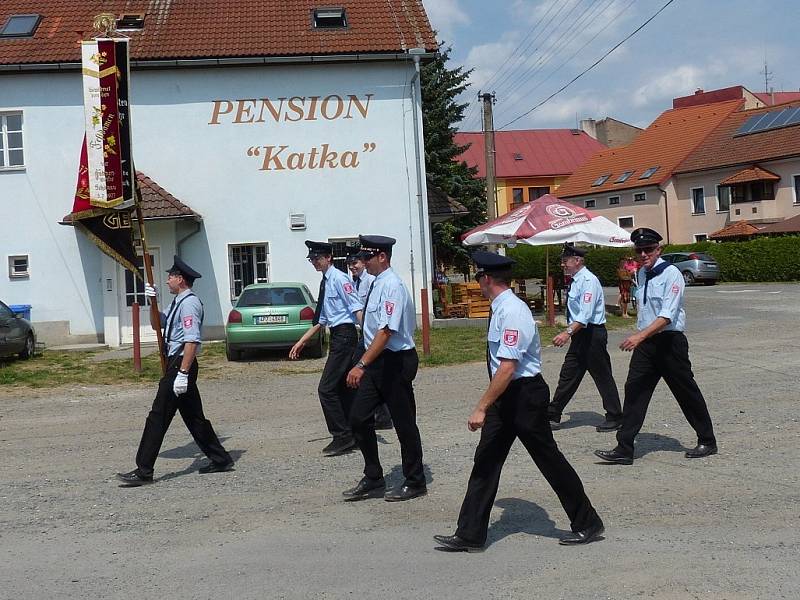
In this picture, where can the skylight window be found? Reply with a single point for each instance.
(601, 180)
(517, 156)
(624, 177)
(648, 173)
(329, 18)
(20, 26)
(130, 22)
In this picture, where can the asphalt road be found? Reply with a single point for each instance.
(723, 527)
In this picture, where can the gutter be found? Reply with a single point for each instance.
(224, 62)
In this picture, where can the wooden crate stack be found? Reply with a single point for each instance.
(468, 296)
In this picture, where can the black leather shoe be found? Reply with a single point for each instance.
(341, 445)
(453, 543)
(584, 536)
(609, 425)
(701, 451)
(614, 456)
(384, 425)
(216, 468)
(366, 488)
(405, 492)
(134, 478)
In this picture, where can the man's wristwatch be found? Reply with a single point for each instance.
(360, 364)
(568, 331)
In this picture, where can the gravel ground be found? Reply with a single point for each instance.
(724, 527)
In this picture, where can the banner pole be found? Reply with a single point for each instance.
(155, 314)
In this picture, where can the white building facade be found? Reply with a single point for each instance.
(269, 155)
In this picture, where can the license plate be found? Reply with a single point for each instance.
(270, 319)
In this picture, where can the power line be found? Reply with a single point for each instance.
(590, 67)
(578, 51)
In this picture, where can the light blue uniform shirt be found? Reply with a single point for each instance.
(586, 302)
(513, 334)
(363, 286)
(341, 300)
(664, 298)
(390, 306)
(182, 322)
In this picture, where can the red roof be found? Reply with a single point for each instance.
(736, 229)
(664, 144)
(735, 92)
(777, 97)
(723, 148)
(791, 225)
(183, 29)
(540, 152)
(754, 173)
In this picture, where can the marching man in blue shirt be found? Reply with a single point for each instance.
(338, 307)
(659, 350)
(514, 406)
(385, 374)
(586, 332)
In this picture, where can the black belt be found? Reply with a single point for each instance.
(595, 325)
(343, 325)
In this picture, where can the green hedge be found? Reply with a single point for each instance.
(761, 259)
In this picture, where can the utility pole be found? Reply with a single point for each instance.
(767, 76)
(488, 142)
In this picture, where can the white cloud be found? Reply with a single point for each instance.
(445, 16)
(679, 81)
(561, 111)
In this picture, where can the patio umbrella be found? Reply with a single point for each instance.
(548, 220)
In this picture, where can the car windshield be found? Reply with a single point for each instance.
(276, 296)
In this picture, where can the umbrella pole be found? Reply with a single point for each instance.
(551, 309)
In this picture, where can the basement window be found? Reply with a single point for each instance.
(131, 22)
(329, 18)
(20, 26)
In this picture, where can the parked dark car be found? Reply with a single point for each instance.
(695, 266)
(16, 334)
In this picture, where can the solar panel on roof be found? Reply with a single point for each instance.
(748, 125)
(782, 117)
(794, 119)
(768, 120)
(758, 125)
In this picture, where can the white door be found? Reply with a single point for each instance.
(132, 290)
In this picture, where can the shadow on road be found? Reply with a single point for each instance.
(582, 418)
(655, 442)
(522, 516)
(192, 450)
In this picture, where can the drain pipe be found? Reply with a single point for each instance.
(179, 242)
(423, 225)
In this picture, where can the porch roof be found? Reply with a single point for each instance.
(737, 229)
(751, 173)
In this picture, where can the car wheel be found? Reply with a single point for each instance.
(30, 346)
(688, 277)
(318, 350)
(231, 354)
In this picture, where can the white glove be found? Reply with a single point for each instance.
(150, 291)
(181, 383)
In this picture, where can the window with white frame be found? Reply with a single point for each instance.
(723, 198)
(247, 263)
(18, 267)
(589, 203)
(796, 187)
(698, 201)
(625, 222)
(11, 154)
(613, 200)
(700, 237)
(640, 197)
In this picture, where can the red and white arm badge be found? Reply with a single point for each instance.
(187, 321)
(587, 297)
(348, 288)
(510, 337)
(389, 307)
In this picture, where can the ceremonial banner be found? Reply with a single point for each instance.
(107, 121)
(109, 229)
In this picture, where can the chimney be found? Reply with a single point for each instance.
(589, 126)
(698, 91)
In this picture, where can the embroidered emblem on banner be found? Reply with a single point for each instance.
(389, 307)
(675, 288)
(187, 322)
(510, 337)
(348, 288)
(587, 297)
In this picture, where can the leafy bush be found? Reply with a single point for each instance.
(760, 259)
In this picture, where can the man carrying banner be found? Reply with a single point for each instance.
(177, 390)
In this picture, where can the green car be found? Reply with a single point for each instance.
(272, 316)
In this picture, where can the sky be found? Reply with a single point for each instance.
(524, 50)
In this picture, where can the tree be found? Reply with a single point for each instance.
(440, 115)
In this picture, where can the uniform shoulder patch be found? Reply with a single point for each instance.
(187, 321)
(587, 297)
(676, 288)
(389, 307)
(510, 337)
(348, 288)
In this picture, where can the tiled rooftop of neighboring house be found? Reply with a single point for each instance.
(530, 152)
(186, 29)
(158, 203)
(661, 146)
(752, 173)
(790, 225)
(725, 148)
(736, 229)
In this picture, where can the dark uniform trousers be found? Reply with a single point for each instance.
(588, 351)
(389, 380)
(191, 408)
(666, 355)
(520, 412)
(334, 395)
